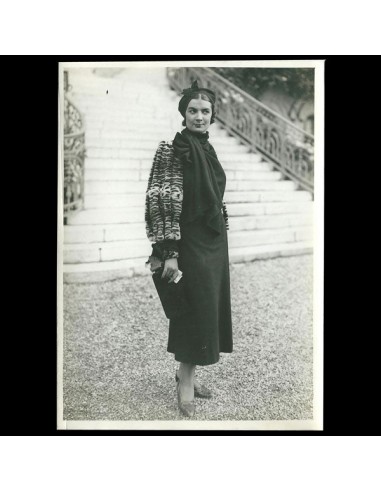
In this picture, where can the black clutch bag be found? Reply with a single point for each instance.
(172, 295)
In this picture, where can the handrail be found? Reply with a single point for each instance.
(289, 148)
(249, 96)
(74, 157)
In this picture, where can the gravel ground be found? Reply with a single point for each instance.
(116, 366)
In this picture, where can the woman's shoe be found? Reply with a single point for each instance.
(200, 391)
(187, 408)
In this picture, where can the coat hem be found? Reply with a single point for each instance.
(185, 360)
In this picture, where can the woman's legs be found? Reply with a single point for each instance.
(186, 376)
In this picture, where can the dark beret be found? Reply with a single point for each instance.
(191, 93)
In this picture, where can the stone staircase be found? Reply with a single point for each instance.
(126, 115)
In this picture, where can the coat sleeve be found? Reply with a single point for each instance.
(170, 248)
(158, 205)
(152, 207)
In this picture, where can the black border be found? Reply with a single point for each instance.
(33, 393)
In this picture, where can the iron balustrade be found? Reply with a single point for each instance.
(289, 148)
(74, 157)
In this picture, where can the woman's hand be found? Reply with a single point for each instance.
(171, 269)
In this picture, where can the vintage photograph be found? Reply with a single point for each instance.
(190, 245)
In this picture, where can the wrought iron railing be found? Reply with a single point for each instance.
(288, 147)
(74, 156)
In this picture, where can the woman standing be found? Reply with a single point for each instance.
(187, 217)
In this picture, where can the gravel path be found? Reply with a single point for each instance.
(116, 366)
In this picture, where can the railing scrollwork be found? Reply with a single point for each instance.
(74, 157)
(289, 148)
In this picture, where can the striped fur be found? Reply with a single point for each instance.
(164, 197)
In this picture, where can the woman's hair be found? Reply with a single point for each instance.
(204, 97)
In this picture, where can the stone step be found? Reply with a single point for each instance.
(251, 223)
(155, 135)
(117, 164)
(158, 103)
(96, 101)
(122, 153)
(124, 108)
(122, 143)
(259, 185)
(108, 109)
(114, 175)
(150, 135)
(260, 171)
(118, 90)
(74, 234)
(127, 111)
(126, 87)
(238, 239)
(134, 248)
(274, 208)
(106, 174)
(132, 124)
(142, 94)
(241, 197)
(247, 179)
(127, 215)
(151, 145)
(133, 103)
(124, 232)
(116, 250)
(131, 214)
(109, 92)
(130, 140)
(115, 153)
(170, 128)
(104, 233)
(147, 130)
(105, 270)
(117, 123)
(115, 201)
(111, 198)
(241, 191)
(141, 97)
(137, 163)
(113, 188)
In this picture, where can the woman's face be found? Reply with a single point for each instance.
(198, 115)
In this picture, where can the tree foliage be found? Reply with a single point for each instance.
(297, 82)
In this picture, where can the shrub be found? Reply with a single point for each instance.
(297, 82)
